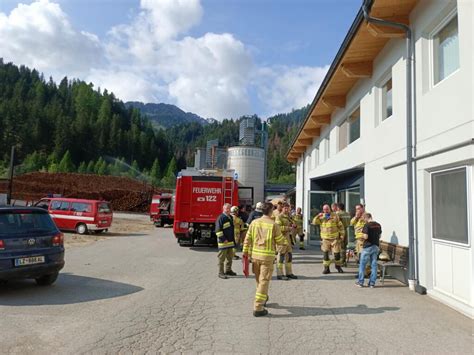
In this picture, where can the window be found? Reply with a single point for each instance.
(449, 205)
(314, 157)
(354, 126)
(387, 108)
(81, 207)
(56, 205)
(104, 208)
(327, 148)
(446, 50)
(349, 131)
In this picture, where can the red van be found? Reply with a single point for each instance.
(80, 215)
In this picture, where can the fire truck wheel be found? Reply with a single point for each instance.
(81, 228)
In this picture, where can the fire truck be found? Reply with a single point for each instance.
(200, 195)
(162, 209)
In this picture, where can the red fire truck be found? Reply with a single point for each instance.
(162, 209)
(200, 195)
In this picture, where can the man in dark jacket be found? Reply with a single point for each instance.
(370, 251)
(255, 214)
(225, 242)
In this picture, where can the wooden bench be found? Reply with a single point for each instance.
(398, 255)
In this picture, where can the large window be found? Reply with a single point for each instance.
(349, 131)
(446, 50)
(450, 205)
(387, 107)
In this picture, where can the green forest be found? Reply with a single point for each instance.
(74, 127)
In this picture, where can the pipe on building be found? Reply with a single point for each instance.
(366, 7)
(434, 152)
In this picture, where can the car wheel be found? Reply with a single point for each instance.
(81, 228)
(47, 280)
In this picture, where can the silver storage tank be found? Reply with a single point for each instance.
(249, 164)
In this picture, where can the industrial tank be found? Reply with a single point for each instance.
(249, 164)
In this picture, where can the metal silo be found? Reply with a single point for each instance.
(249, 164)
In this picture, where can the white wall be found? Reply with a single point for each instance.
(444, 116)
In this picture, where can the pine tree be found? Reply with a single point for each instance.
(155, 173)
(82, 168)
(66, 165)
(90, 167)
(102, 170)
(98, 165)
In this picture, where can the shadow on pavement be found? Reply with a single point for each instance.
(121, 234)
(345, 276)
(68, 289)
(203, 248)
(297, 311)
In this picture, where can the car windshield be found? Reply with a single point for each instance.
(25, 222)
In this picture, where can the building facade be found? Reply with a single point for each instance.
(352, 147)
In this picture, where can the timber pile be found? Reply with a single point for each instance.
(123, 193)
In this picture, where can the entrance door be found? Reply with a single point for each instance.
(316, 200)
(349, 197)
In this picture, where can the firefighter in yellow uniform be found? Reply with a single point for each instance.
(332, 234)
(298, 220)
(262, 240)
(345, 218)
(277, 210)
(358, 223)
(285, 253)
(239, 230)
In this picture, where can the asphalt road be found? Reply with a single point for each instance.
(144, 293)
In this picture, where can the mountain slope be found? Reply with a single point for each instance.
(165, 115)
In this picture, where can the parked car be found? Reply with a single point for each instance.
(31, 246)
(82, 216)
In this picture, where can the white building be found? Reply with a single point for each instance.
(352, 144)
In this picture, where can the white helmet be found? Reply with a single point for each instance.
(259, 206)
(234, 209)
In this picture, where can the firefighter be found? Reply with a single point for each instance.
(298, 220)
(239, 229)
(277, 210)
(332, 233)
(358, 223)
(261, 241)
(257, 213)
(225, 242)
(285, 253)
(345, 218)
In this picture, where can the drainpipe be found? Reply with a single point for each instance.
(409, 135)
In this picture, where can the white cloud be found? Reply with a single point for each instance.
(151, 59)
(40, 36)
(283, 88)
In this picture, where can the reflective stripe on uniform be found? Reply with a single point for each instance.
(220, 234)
(226, 245)
(226, 225)
(260, 297)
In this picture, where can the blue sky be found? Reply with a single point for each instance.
(218, 58)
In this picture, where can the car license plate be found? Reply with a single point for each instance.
(205, 234)
(29, 261)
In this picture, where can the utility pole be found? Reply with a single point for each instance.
(10, 181)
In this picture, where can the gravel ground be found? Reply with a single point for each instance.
(123, 225)
(136, 291)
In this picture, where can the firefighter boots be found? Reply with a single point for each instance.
(339, 269)
(230, 273)
(260, 313)
(326, 270)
